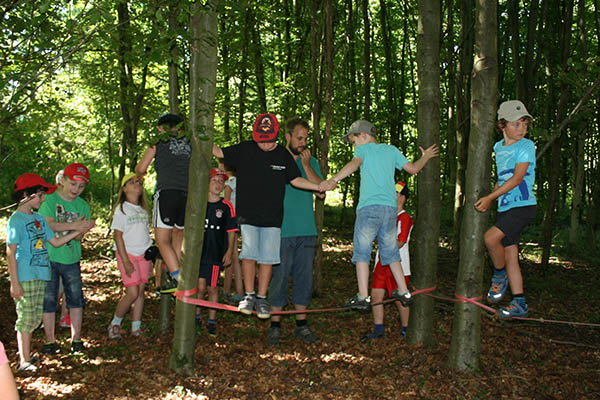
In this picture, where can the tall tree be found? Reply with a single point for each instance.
(203, 70)
(427, 225)
(466, 327)
(389, 74)
(367, 59)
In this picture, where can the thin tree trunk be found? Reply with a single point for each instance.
(530, 64)
(367, 59)
(466, 327)
(244, 72)
(513, 27)
(174, 60)
(463, 100)
(258, 63)
(554, 186)
(427, 227)
(203, 70)
(450, 185)
(389, 75)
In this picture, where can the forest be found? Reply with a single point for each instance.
(86, 81)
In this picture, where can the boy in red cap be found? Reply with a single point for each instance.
(219, 238)
(263, 169)
(171, 156)
(27, 235)
(66, 211)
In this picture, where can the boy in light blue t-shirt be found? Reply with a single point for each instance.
(515, 164)
(377, 206)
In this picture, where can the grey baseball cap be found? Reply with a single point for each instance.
(512, 110)
(359, 126)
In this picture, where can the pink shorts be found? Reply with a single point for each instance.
(384, 279)
(3, 359)
(141, 270)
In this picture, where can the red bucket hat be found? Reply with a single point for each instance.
(28, 180)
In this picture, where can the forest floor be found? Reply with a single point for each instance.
(519, 359)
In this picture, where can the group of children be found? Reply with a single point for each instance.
(263, 170)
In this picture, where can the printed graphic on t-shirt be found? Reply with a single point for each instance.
(180, 147)
(277, 167)
(218, 214)
(514, 196)
(39, 253)
(63, 215)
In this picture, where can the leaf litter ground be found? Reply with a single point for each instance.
(520, 360)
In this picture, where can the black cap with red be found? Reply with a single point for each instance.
(266, 128)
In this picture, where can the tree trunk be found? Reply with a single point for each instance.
(463, 100)
(530, 65)
(244, 73)
(389, 75)
(466, 327)
(450, 186)
(258, 63)
(174, 60)
(427, 227)
(554, 184)
(367, 59)
(513, 27)
(203, 70)
(580, 149)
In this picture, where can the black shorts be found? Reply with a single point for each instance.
(210, 273)
(513, 221)
(169, 209)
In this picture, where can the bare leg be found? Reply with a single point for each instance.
(138, 304)
(404, 313)
(248, 272)
(362, 275)
(213, 295)
(513, 270)
(201, 290)
(163, 238)
(265, 271)
(8, 387)
(377, 296)
(49, 320)
(276, 318)
(76, 315)
(300, 317)
(177, 242)
(396, 268)
(24, 343)
(131, 294)
(493, 241)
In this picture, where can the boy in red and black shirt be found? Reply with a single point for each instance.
(219, 234)
(383, 279)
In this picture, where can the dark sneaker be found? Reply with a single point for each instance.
(114, 331)
(372, 335)
(273, 335)
(236, 298)
(246, 306)
(77, 346)
(50, 348)
(405, 298)
(27, 367)
(514, 309)
(498, 288)
(306, 334)
(263, 309)
(212, 329)
(360, 305)
(170, 286)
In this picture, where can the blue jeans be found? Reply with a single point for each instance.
(297, 255)
(71, 278)
(260, 244)
(376, 221)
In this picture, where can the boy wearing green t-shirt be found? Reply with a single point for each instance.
(65, 211)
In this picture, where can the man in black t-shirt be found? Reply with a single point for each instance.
(263, 169)
(219, 233)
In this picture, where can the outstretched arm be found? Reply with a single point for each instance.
(426, 155)
(142, 166)
(346, 170)
(302, 183)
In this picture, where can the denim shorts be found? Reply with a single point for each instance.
(71, 277)
(260, 244)
(376, 221)
(297, 255)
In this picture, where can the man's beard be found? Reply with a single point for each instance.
(295, 150)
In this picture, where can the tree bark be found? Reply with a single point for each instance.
(466, 328)
(389, 75)
(450, 185)
(367, 59)
(513, 27)
(463, 100)
(427, 227)
(203, 70)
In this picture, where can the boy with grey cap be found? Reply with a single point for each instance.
(515, 165)
(377, 206)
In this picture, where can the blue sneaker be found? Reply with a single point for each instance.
(498, 288)
(514, 309)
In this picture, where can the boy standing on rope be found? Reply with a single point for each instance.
(219, 239)
(515, 165)
(377, 206)
(383, 280)
(263, 169)
(171, 157)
